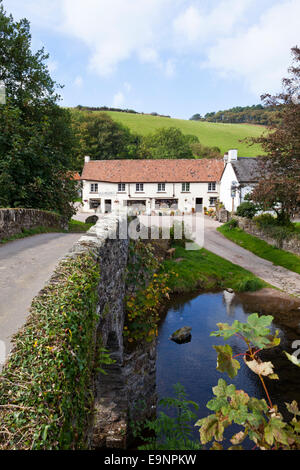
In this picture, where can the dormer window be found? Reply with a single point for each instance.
(212, 186)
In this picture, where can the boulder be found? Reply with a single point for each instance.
(183, 335)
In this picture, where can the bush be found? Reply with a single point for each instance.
(233, 223)
(46, 387)
(265, 220)
(247, 209)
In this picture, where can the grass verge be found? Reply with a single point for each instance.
(46, 386)
(202, 269)
(261, 248)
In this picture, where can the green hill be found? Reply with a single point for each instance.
(224, 136)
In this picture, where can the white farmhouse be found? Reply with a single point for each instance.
(151, 186)
(238, 179)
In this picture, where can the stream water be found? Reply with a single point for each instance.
(194, 364)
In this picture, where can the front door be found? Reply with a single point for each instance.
(199, 204)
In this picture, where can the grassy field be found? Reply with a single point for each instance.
(262, 249)
(224, 136)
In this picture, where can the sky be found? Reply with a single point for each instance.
(173, 57)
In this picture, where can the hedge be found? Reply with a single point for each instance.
(46, 387)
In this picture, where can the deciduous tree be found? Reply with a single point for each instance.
(36, 139)
(279, 186)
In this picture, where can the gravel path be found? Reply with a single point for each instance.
(277, 276)
(25, 267)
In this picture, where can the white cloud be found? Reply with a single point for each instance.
(247, 40)
(116, 30)
(119, 99)
(261, 54)
(198, 25)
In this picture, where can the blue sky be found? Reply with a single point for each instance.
(176, 57)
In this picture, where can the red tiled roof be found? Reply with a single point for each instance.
(153, 171)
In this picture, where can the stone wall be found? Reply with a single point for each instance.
(14, 221)
(292, 244)
(128, 389)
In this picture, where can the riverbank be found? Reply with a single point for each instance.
(203, 270)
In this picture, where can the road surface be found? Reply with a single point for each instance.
(25, 267)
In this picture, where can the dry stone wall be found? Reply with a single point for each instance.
(128, 391)
(14, 221)
(291, 244)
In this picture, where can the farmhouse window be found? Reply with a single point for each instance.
(121, 187)
(139, 187)
(186, 187)
(161, 187)
(212, 186)
(94, 187)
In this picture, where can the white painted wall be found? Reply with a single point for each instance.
(109, 191)
(228, 178)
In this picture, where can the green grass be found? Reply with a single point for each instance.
(74, 227)
(224, 136)
(202, 269)
(262, 249)
(297, 226)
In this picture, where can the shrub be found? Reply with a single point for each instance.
(46, 387)
(264, 220)
(247, 209)
(233, 223)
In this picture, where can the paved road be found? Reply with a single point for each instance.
(25, 267)
(282, 278)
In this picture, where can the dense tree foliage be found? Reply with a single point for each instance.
(202, 151)
(117, 110)
(102, 138)
(279, 187)
(256, 114)
(36, 138)
(167, 143)
(196, 117)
